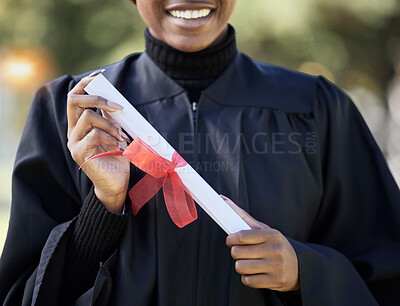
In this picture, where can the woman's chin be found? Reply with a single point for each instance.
(194, 41)
(190, 44)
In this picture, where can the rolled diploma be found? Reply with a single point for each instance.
(137, 126)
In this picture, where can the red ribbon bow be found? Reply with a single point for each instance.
(160, 173)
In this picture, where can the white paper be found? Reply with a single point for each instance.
(137, 126)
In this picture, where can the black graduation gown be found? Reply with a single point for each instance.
(290, 149)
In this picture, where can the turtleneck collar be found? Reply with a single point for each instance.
(194, 71)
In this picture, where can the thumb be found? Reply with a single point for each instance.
(253, 223)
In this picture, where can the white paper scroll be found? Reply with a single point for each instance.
(137, 126)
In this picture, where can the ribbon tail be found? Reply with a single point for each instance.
(180, 204)
(111, 153)
(143, 191)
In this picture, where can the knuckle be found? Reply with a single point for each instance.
(274, 232)
(241, 237)
(74, 154)
(277, 236)
(281, 269)
(95, 133)
(281, 281)
(87, 114)
(99, 99)
(280, 255)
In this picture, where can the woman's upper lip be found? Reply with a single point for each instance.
(182, 6)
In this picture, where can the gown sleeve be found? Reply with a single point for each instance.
(56, 238)
(352, 255)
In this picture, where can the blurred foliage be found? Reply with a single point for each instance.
(354, 42)
(80, 34)
(357, 41)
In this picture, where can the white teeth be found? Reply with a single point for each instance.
(189, 14)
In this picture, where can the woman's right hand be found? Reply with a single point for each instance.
(90, 134)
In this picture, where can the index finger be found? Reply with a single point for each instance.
(77, 104)
(79, 87)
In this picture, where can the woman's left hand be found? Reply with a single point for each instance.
(264, 257)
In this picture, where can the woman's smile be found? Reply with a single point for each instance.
(190, 18)
(190, 14)
(187, 25)
(190, 10)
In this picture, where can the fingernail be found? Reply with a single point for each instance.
(96, 72)
(115, 105)
(120, 138)
(126, 137)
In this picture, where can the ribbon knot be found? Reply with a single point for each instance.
(160, 173)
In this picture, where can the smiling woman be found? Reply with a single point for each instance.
(291, 150)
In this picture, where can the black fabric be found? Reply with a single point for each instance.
(194, 71)
(290, 149)
(95, 237)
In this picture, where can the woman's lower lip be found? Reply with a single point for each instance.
(182, 22)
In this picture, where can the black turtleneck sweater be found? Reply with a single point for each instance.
(97, 231)
(194, 71)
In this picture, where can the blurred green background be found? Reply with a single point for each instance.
(355, 43)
